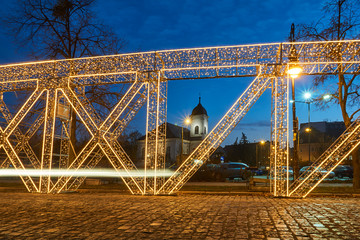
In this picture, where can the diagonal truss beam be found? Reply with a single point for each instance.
(327, 162)
(11, 127)
(112, 137)
(22, 139)
(217, 135)
(98, 132)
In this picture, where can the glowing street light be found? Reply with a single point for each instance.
(294, 68)
(308, 100)
(259, 156)
(307, 96)
(186, 122)
(326, 97)
(294, 71)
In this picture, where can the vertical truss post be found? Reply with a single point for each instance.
(155, 132)
(48, 139)
(279, 159)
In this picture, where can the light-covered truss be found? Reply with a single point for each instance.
(61, 83)
(279, 157)
(327, 162)
(218, 134)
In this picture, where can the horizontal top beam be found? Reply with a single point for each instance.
(326, 57)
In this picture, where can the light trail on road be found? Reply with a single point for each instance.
(84, 173)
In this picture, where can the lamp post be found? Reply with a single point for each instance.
(259, 155)
(186, 122)
(308, 101)
(294, 70)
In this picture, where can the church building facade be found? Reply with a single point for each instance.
(180, 141)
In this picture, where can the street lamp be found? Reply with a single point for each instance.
(186, 122)
(294, 70)
(259, 155)
(308, 101)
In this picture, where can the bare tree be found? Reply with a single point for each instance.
(61, 29)
(340, 21)
(56, 29)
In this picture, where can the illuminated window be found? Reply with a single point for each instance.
(197, 130)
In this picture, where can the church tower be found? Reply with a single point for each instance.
(199, 125)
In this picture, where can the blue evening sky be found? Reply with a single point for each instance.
(169, 24)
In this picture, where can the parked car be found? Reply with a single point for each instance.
(343, 171)
(231, 170)
(256, 171)
(319, 170)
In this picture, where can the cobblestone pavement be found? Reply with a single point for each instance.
(119, 216)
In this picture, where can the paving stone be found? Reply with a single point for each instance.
(118, 216)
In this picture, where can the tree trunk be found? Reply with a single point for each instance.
(356, 167)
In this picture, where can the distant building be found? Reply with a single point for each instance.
(177, 134)
(318, 139)
(253, 154)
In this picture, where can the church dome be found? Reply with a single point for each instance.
(199, 109)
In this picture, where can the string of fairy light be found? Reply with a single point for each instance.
(147, 74)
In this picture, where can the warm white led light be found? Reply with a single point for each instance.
(83, 173)
(153, 70)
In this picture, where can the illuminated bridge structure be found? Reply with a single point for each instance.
(59, 86)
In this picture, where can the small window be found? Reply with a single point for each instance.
(197, 130)
(204, 130)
